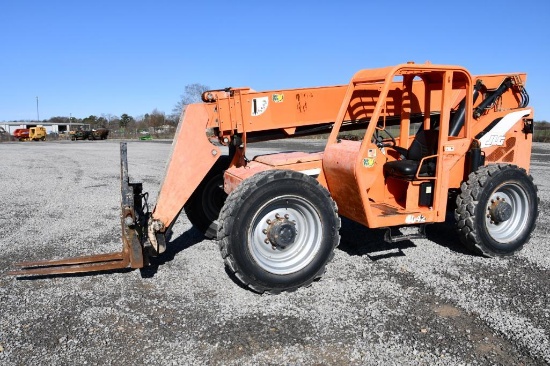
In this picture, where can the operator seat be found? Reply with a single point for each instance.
(424, 144)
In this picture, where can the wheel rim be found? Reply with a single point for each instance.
(292, 213)
(510, 229)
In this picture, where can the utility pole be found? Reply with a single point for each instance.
(37, 114)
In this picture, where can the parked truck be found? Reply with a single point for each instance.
(435, 140)
(95, 134)
(21, 134)
(99, 134)
(37, 133)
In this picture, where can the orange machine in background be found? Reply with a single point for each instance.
(37, 133)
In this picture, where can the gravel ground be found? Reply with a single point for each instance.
(425, 302)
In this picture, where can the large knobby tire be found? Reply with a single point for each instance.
(278, 230)
(497, 210)
(205, 204)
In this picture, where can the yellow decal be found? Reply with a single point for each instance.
(278, 98)
(368, 162)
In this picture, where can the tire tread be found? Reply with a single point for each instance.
(468, 200)
(227, 217)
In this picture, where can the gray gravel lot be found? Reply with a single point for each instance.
(425, 302)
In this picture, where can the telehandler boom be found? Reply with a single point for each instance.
(407, 145)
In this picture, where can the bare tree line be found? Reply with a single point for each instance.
(155, 122)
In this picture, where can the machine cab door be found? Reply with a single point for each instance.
(433, 140)
(414, 138)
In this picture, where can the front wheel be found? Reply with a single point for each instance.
(497, 210)
(278, 230)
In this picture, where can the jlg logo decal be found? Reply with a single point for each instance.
(495, 140)
(495, 136)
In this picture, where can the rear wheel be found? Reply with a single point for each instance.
(205, 204)
(497, 210)
(278, 230)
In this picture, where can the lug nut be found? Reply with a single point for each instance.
(268, 221)
(277, 216)
(287, 216)
(266, 241)
(264, 231)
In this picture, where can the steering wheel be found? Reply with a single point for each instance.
(379, 139)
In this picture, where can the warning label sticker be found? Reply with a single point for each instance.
(259, 105)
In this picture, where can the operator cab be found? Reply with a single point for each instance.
(414, 138)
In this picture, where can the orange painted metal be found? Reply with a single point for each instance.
(402, 97)
(307, 163)
(352, 170)
(517, 145)
(249, 111)
(191, 158)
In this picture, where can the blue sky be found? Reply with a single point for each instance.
(114, 57)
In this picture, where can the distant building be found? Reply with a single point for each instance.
(161, 129)
(9, 127)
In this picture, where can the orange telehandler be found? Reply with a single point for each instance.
(407, 145)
